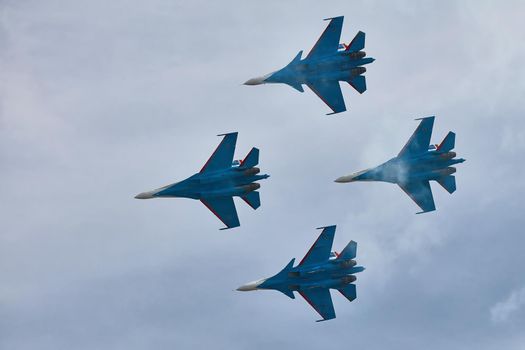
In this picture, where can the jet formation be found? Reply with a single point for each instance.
(222, 178)
(319, 271)
(327, 63)
(219, 180)
(417, 164)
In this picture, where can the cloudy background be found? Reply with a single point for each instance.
(100, 100)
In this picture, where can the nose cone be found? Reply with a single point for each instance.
(145, 195)
(347, 178)
(255, 81)
(350, 178)
(258, 80)
(250, 286)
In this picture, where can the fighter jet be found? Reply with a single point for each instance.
(327, 63)
(320, 270)
(219, 180)
(417, 164)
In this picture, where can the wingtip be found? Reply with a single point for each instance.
(228, 228)
(425, 211)
(335, 112)
(429, 117)
(331, 18)
(323, 227)
(229, 133)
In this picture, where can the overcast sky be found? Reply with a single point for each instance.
(101, 100)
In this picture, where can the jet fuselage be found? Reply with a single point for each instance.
(235, 181)
(429, 166)
(333, 274)
(340, 66)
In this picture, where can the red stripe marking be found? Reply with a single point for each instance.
(250, 204)
(213, 154)
(351, 42)
(312, 247)
(242, 161)
(322, 98)
(311, 303)
(317, 42)
(214, 212)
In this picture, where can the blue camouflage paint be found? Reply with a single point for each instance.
(318, 272)
(219, 180)
(417, 164)
(325, 66)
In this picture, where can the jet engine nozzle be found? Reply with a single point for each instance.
(348, 279)
(357, 55)
(251, 187)
(252, 171)
(348, 263)
(448, 155)
(449, 170)
(357, 71)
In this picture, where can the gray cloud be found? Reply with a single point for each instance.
(99, 101)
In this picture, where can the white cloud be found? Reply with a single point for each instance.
(503, 310)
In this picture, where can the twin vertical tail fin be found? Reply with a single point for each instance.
(252, 159)
(448, 183)
(448, 143)
(357, 43)
(349, 252)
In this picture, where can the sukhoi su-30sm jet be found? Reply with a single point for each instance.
(219, 180)
(318, 272)
(417, 164)
(327, 63)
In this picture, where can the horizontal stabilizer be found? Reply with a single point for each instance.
(358, 83)
(448, 183)
(349, 292)
(252, 159)
(252, 199)
(357, 43)
(349, 252)
(448, 142)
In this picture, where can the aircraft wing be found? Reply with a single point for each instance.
(329, 41)
(321, 300)
(320, 250)
(224, 209)
(222, 157)
(420, 139)
(330, 92)
(420, 193)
